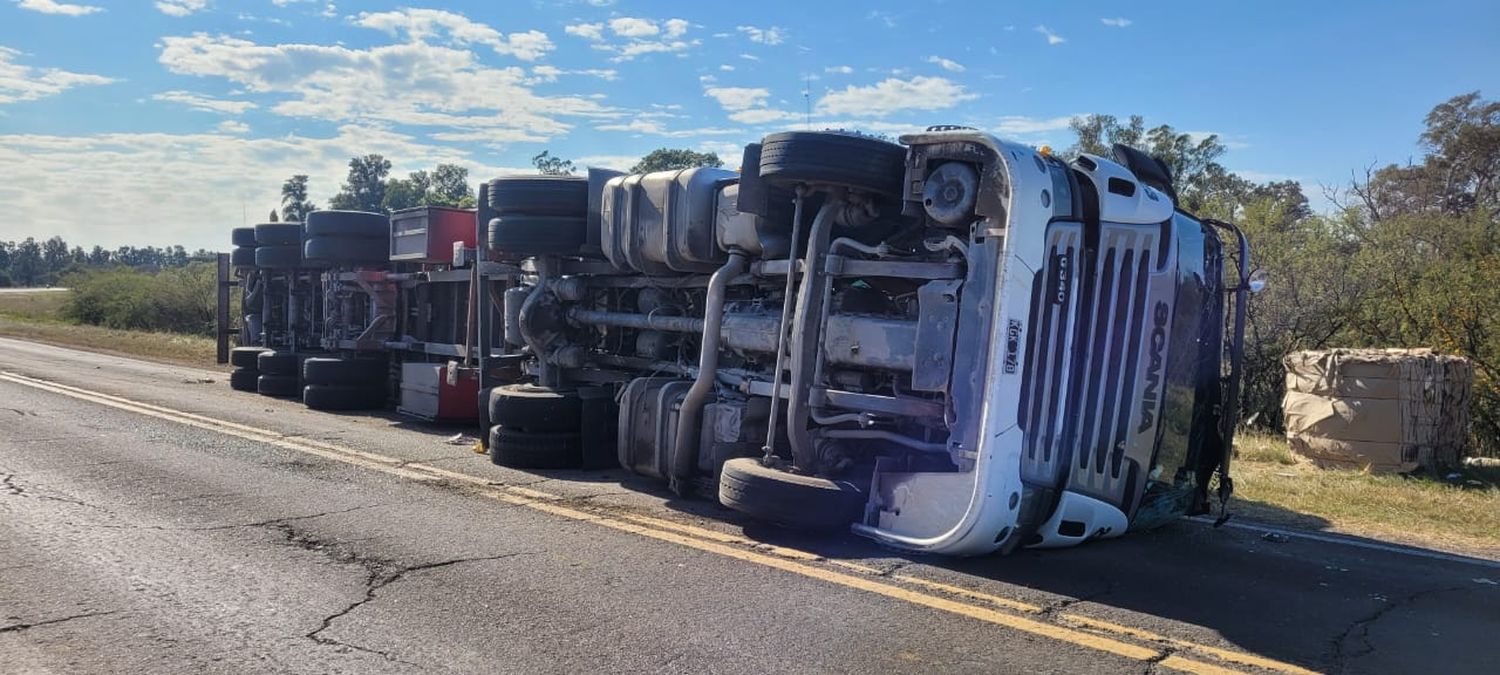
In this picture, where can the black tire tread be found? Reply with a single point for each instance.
(279, 256)
(343, 397)
(278, 234)
(246, 357)
(277, 385)
(244, 379)
(243, 236)
(277, 363)
(535, 450)
(793, 500)
(528, 235)
(338, 372)
(527, 407)
(350, 224)
(540, 196)
(833, 158)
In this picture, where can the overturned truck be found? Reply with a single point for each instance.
(955, 345)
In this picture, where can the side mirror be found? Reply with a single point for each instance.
(1258, 280)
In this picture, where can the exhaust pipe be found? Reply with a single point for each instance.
(685, 449)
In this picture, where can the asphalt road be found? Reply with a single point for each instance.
(152, 520)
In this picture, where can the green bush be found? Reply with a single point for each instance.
(177, 300)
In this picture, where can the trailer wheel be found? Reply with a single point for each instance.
(540, 196)
(527, 407)
(330, 251)
(357, 224)
(278, 234)
(794, 500)
(242, 256)
(279, 256)
(246, 357)
(277, 363)
(833, 158)
(244, 379)
(343, 397)
(535, 450)
(331, 371)
(277, 385)
(538, 235)
(243, 236)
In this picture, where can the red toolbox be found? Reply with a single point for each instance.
(426, 234)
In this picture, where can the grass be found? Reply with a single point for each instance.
(36, 317)
(1461, 514)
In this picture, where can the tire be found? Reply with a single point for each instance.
(335, 251)
(540, 196)
(242, 256)
(526, 407)
(833, 158)
(534, 450)
(353, 224)
(538, 235)
(332, 397)
(277, 385)
(277, 363)
(246, 357)
(244, 379)
(789, 499)
(243, 236)
(278, 234)
(280, 256)
(337, 372)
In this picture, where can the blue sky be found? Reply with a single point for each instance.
(169, 121)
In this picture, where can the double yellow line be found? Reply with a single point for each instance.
(1104, 636)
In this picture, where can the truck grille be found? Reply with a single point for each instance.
(1088, 322)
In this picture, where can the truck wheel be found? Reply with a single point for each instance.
(540, 196)
(278, 234)
(330, 371)
(357, 224)
(796, 501)
(244, 379)
(242, 256)
(330, 251)
(833, 158)
(343, 397)
(527, 407)
(243, 236)
(279, 256)
(535, 450)
(277, 363)
(538, 235)
(246, 357)
(277, 385)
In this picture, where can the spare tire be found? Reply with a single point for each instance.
(277, 385)
(538, 235)
(535, 450)
(528, 407)
(242, 256)
(280, 256)
(794, 500)
(246, 357)
(540, 196)
(332, 371)
(833, 158)
(243, 236)
(358, 224)
(332, 251)
(277, 363)
(278, 234)
(335, 397)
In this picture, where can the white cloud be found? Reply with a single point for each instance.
(1052, 38)
(616, 162)
(1019, 125)
(26, 83)
(841, 70)
(55, 7)
(894, 95)
(726, 68)
(233, 127)
(765, 36)
(763, 116)
(641, 125)
(675, 27)
(587, 31)
(421, 25)
(629, 26)
(204, 103)
(1118, 22)
(181, 7)
(1224, 140)
(947, 64)
(413, 83)
(738, 98)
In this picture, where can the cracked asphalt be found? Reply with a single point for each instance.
(135, 544)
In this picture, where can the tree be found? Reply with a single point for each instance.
(450, 187)
(548, 165)
(364, 188)
(1199, 178)
(272, 218)
(669, 159)
(404, 193)
(26, 265)
(294, 203)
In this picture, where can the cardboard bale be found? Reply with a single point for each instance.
(1382, 410)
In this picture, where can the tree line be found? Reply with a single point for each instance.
(32, 263)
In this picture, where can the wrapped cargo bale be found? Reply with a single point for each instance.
(1382, 410)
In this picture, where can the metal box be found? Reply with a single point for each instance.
(426, 393)
(426, 234)
(663, 222)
